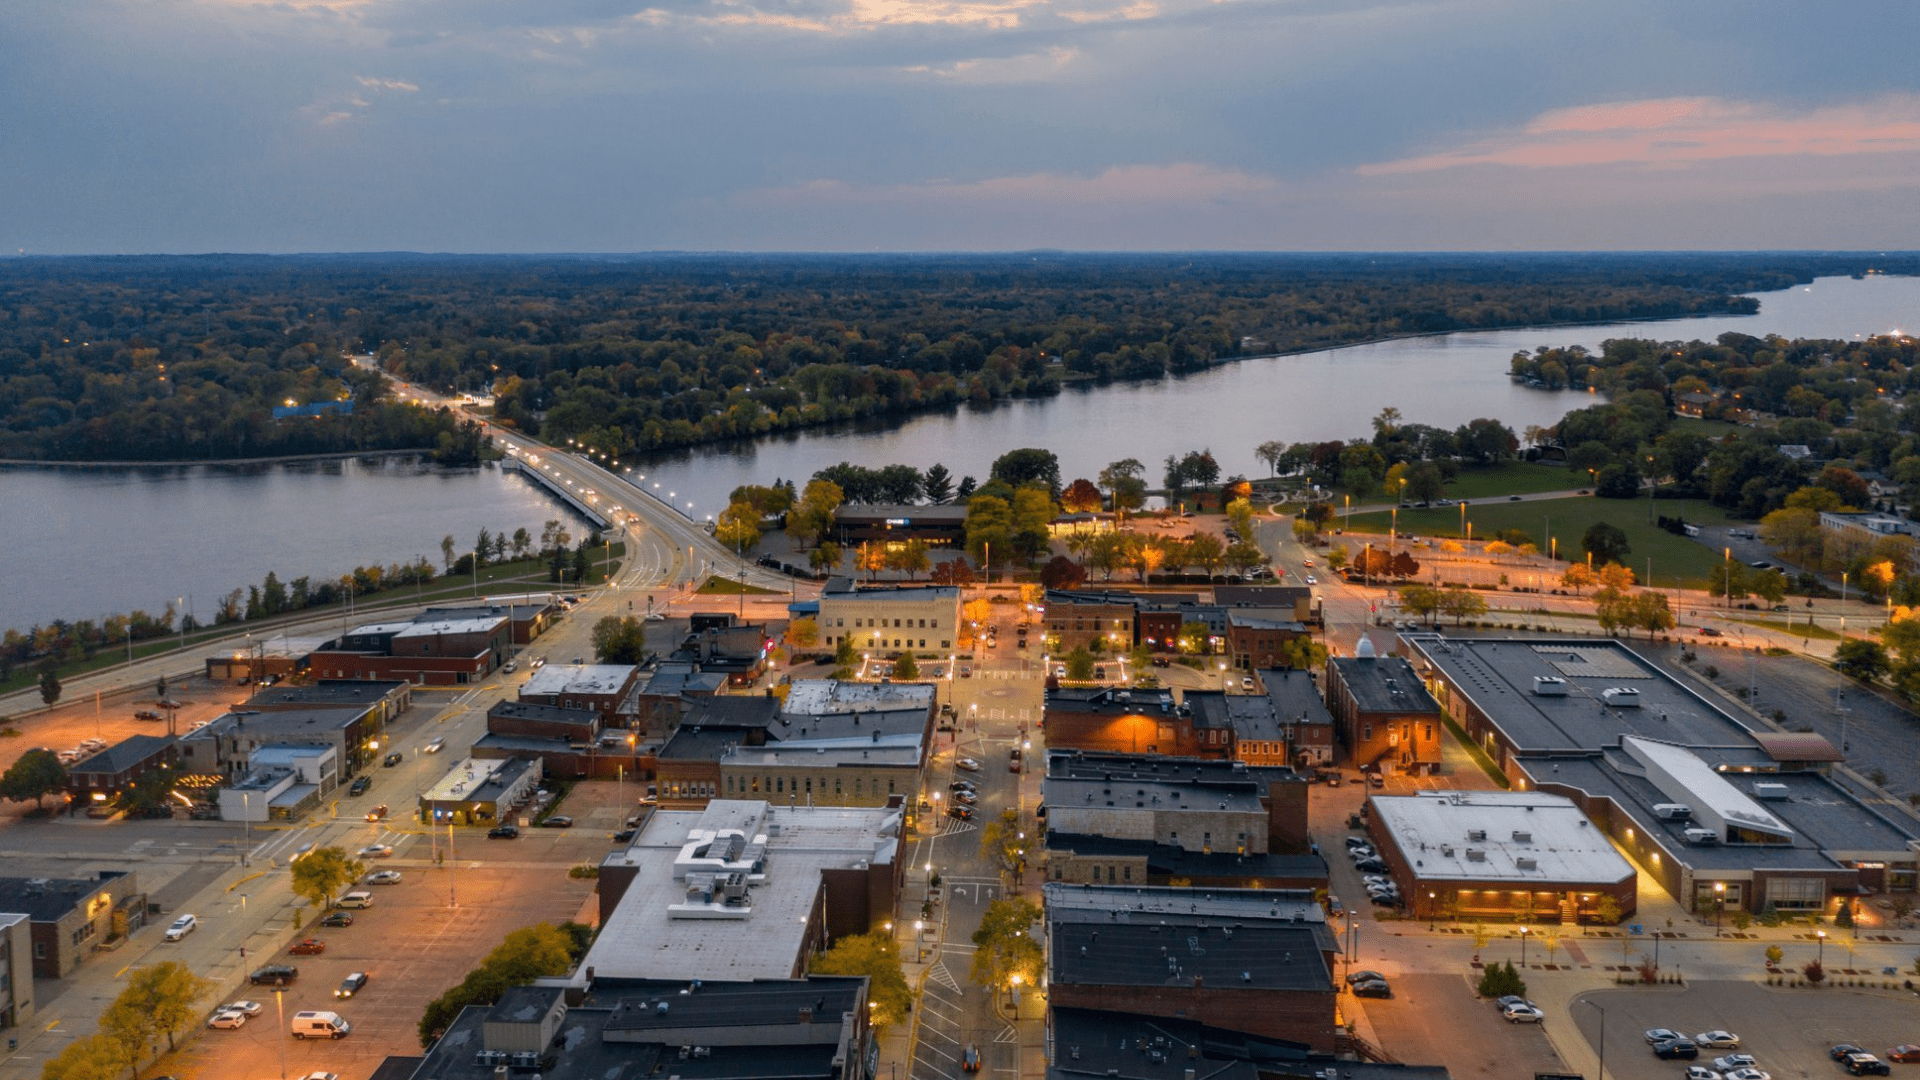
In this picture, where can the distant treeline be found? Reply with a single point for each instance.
(161, 358)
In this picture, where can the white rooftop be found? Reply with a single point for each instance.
(578, 679)
(463, 778)
(894, 751)
(815, 697)
(452, 626)
(662, 928)
(380, 628)
(1081, 903)
(1682, 776)
(1499, 836)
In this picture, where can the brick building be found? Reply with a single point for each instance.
(890, 620)
(1261, 641)
(1123, 722)
(430, 651)
(603, 688)
(1097, 621)
(100, 779)
(1385, 716)
(69, 916)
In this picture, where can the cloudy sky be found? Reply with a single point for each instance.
(857, 125)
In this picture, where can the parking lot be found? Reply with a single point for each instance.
(412, 945)
(1787, 1031)
(1434, 1019)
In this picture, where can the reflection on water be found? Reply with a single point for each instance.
(86, 543)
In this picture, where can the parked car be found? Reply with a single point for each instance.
(1512, 999)
(1864, 1064)
(967, 764)
(227, 1019)
(964, 813)
(1717, 1040)
(384, 877)
(1681, 1049)
(1734, 1061)
(250, 1008)
(1355, 843)
(622, 836)
(1747, 1074)
(1839, 1051)
(557, 821)
(1905, 1054)
(1523, 1014)
(307, 947)
(503, 832)
(1699, 1072)
(970, 1059)
(1373, 988)
(351, 985)
(337, 918)
(1660, 1035)
(181, 927)
(274, 975)
(964, 796)
(1363, 976)
(360, 785)
(1370, 863)
(963, 785)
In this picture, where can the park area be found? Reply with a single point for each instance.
(1677, 561)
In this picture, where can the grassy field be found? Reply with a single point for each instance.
(1676, 559)
(1487, 481)
(720, 586)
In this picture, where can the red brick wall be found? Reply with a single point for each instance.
(1127, 733)
(1287, 819)
(1304, 1016)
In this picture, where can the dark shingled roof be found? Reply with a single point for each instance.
(1175, 952)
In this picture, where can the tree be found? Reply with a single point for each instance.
(1420, 601)
(323, 872)
(1003, 841)
(1271, 452)
(1027, 465)
(1243, 556)
(1770, 585)
(1004, 947)
(446, 551)
(909, 558)
(1240, 516)
(825, 556)
(522, 542)
(1081, 497)
(1605, 542)
(149, 790)
(877, 957)
(1729, 580)
(1080, 664)
(49, 684)
(1033, 511)
(36, 775)
(1577, 577)
(96, 1057)
(619, 639)
(1795, 532)
(1500, 980)
(738, 527)
(937, 484)
(1206, 551)
(989, 528)
(1607, 911)
(952, 572)
(529, 953)
(809, 522)
(1461, 603)
(1425, 482)
(1652, 613)
(904, 669)
(803, 633)
(1061, 572)
(1857, 658)
(166, 997)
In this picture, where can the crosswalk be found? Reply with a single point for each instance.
(954, 827)
(938, 973)
(1024, 714)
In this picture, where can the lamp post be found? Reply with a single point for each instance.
(280, 1009)
(1821, 957)
(1602, 1069)
(1523, 946)
(1719, 904)
(1432, 904)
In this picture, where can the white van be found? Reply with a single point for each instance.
(360, 899)
(316, 1024)
(181, 927)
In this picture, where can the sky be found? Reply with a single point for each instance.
(156, 126)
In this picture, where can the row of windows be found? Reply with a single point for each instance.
(691, 790)
(898, 624)
(1405, 732)
(1126, 873)
(780, 785)
(893, 643)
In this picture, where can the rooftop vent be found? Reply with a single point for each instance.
(1521, 836)
(1549, 686)
(1527, 864)
(1621, 697)
(1476, 834)
(1476, 855)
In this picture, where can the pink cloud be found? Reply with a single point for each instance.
(1679, 131)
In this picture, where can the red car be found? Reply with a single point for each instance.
(1905, 1053)
(309, 947)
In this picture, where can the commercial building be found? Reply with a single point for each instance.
(16, 969)
(224, 746)
(814, 1028)
(1285, 725)
(606, 689)
(1501, 855)
(665, 691)
(1193, 804)
(69, 916)
(528, 614)
(383, 700)
(283, 782)
(889, 620)
(1383, 712)
(480, 791)
(893, 523)
(743, 889)
(1850, 535)
(1111, 720)
(737, 652)
(1090, 1044)
(100, 779)
(1100, 621)
(1258, 640)
(426, 650)
(1723, 811)
(1252, 960)
(570, 743)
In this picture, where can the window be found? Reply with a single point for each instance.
(946, 643)
(889, 787)
(936, 624)
(729, 785)
(809, 785)
(1428, 734)
(780, 784)
(836, 785)
(1126, 873)
(923, 643)
(1366, 731)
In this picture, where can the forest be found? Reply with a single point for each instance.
(186, 358)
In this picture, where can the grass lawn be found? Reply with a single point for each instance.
(1487, 481)
(1674, 557)
(719, 586)
(1711, 429)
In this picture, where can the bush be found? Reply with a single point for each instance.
(1500, 980)
(1815, 972)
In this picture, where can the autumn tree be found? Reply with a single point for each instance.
(803, 633)
(877, 957)
(527, 954)
(1005, 951)
(738, 527)
(323, 872)
(1081, 497)
(619, 639)
(36, 775)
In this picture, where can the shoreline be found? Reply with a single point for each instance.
(176, 463)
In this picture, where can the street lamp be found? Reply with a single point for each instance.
(280, 1008)
(1432, 904)
(1821, 957)
(1523, 946)
(1602, 1070)
(1719, 904)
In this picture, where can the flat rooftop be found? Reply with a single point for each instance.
(599, 679)
(646, 938)
(1513, 836)
(1164, 796)
(1499, 675)
(465, 779)
(1145, 903)
(325, 692)
(1096, 1045)
(49, 899)
(436, 627)
(779, 755)
(1384, 684)
(1182, 950)
(817, 697)
(1179, 862)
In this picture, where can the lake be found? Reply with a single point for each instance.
(82, 543)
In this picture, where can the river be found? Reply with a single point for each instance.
(81, 543)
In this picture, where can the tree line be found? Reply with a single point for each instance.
(185, 358)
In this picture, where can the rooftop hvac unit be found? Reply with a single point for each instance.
(490, 1057)
(1526, 864)
(1476, 855)
(1621, 697)
(1447, 850)
(1773, 791)
(1476, 834)
(1521, 836)
(525, 1059)
(1549, 686)
(1702, 837)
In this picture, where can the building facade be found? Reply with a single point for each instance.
(1385, 716)
(890, 620)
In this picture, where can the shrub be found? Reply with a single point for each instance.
(1815, 972)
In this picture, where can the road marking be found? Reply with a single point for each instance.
(944, 977)
(1009, 1034)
